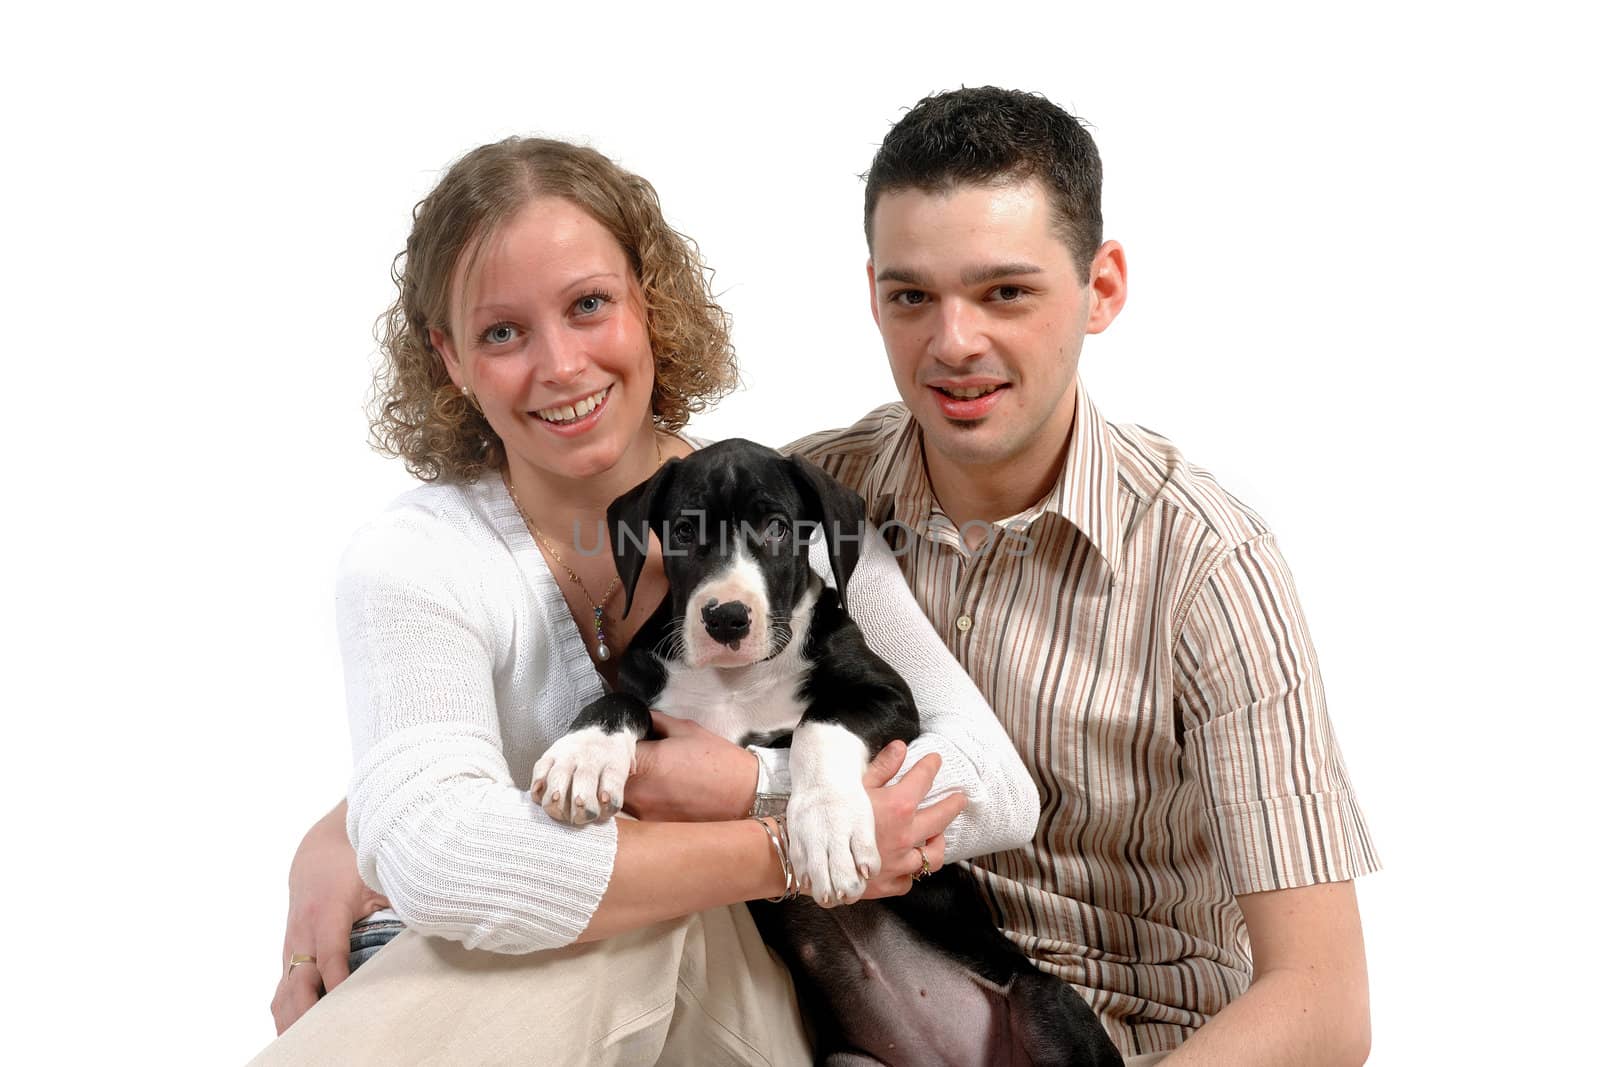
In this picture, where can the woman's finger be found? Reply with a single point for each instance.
(333, 951)
(297, 992)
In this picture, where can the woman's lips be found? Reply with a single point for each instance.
(578, 425)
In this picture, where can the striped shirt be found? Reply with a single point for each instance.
(1137, 633)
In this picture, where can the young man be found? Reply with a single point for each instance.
(1132, 625)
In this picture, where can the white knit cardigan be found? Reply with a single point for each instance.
(463, 664)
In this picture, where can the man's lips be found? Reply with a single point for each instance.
(956, 400)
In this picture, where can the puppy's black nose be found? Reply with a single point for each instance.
(726, 623)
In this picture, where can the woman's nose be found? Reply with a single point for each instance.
(561, 358)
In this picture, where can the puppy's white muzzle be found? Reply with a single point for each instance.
(727, 622)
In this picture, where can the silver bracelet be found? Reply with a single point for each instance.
(780, 845)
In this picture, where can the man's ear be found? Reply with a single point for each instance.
(1108, 286)
(442, 344)
(872, 291)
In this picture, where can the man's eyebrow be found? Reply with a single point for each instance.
(970, 276)
(977, 275)
(898, 274)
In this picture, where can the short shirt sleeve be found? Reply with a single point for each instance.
(1257, 735)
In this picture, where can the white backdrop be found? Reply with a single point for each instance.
(1358, 240)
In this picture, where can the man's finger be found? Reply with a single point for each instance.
(920, 776)
(932, 820)
(884, 765)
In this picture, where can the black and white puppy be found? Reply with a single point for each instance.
(754, 646)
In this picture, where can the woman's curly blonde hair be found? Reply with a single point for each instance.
(418, 414)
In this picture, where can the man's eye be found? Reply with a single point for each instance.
(910, 297)
(500, 333)
(777, 529)
(1008, 293)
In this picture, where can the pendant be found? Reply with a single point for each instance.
(602, 653)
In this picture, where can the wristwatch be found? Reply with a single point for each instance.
(769, 804)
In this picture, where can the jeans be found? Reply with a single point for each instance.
(371, 934)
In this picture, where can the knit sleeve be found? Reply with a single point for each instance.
(437, 823)
(978, 757)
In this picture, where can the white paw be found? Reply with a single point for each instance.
(833, 843)
(580, 778)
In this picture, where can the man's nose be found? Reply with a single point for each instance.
(958, 333)
(726, 623)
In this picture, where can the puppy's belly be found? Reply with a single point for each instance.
(733, 703)
(905, 1002)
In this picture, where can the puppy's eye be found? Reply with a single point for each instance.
(777, 530)
(683, 533)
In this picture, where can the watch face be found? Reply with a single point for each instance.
(769, 804)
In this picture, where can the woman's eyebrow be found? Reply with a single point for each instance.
(498, 307)
(587, 278)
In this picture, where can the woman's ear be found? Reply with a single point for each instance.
(442, 344)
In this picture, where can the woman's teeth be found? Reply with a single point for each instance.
(968, 394)
(572, 412)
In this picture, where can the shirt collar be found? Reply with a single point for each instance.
(1084, 493)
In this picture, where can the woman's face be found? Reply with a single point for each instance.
(549, 335)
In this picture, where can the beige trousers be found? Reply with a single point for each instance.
(698, 991)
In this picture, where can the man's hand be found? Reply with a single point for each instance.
(690, 775)
(901, 825)
(326, 898)
(1307, 1003)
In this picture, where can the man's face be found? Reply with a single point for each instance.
(983, 316)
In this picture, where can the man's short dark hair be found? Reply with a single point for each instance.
(991, 136)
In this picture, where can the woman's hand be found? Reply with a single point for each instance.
(689, 775)
(901, 827)
(326, 898)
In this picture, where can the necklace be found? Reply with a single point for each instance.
(602, 651)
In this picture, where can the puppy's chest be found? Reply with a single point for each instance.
(761, 699)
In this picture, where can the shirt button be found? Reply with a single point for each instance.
(964, 623)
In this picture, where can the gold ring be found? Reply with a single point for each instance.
(297, 959)
(926, 870)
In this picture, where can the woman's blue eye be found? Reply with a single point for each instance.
(499, 334)
(588, 305)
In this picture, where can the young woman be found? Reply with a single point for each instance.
(550, 338)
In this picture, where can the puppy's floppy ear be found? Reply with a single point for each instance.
(629, 520)
(842, 513)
